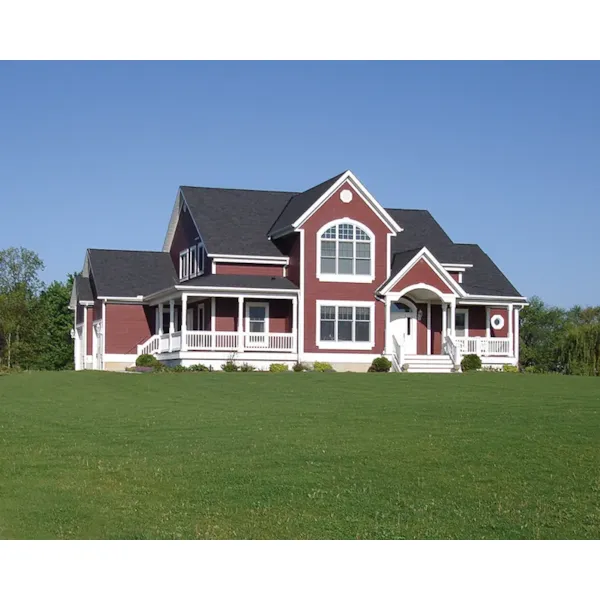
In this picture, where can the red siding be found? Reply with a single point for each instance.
(477, 321)
(436, 329)
(315, 290)
(499, 332)
(127, 325)
(454, 275)
(249, 269)
(422, 273)
(226, 314)
(280, 316)
(90, 328)
(185, 235)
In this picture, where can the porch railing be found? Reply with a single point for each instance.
(452, 349)
(219, 340)
(150, 346)
(484, 346)
(397, 354)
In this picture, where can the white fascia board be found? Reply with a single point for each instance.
(86, 302)
(246, 258)
(237, 291)
(360, 188)
(456, 266)
(134, 299)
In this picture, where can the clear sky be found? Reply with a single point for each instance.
(505, 155)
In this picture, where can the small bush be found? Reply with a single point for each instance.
(471, 362)
(229, 367)
(380, 365)
(278, 368)
(323, 367)
(140, 369)
(299, 367)
(199, 368)
(246, 368)
(146, 360)
(510, 369)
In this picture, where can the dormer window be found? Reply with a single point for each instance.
(191, 262)
(346, 250)
(184, 264)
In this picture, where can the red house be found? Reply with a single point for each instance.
(323, 275)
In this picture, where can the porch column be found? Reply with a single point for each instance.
(184, 322)
(171, 323)
(240, 324)
(213, 318)
(453, 318)
(85, 337)
(517, 310)
(510, 330)
(294, 324)
(444, 321)
(161, 308)
(429, 328)
(388, 320)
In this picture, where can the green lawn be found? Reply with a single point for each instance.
(299, 455)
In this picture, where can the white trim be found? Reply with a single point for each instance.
(204, 291)
(460, 277)
(247, 258)
(345, 345)
(509, 314)
(184, 274)
(86, 303)
(521, 299)
(429, 328)
(388, 251)
(517, 340)
(353, 181)
(264, 305)
(396, 296)
(201, 321)
(487, 322)
(180, 202)
(129, 358)
(428, 257)
(464, 311)
(85, 337)
(213, 313)
(338, 277)
(126, 299)
(301, 309)
(492, 303)
(103, 332)
(456, 266)
(500, 324)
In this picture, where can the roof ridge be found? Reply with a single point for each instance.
(205, 187)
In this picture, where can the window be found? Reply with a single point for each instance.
(257, 323)
(344, 324)
(184, 265)
(345, 253)
(193, 261)
(200, 259)
(461, 322)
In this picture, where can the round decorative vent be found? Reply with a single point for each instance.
(497, 322)
(346, 196)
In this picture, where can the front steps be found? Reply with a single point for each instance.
(434, 363)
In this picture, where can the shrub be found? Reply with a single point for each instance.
(199, 368)
(380, 365)
(229, 367)
(140, 369)
(470, 362)
(278, 368)
(146, 360)
(246, 368)
(299, 367)
(177, 369)
(323, 367)
(510, 369)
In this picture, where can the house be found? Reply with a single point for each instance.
(327, 274)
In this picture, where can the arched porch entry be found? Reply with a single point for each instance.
(419, 316)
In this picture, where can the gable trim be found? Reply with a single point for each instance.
(430, 259)
(352, 180)
(180, 203)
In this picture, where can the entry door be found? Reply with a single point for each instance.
(404, 327)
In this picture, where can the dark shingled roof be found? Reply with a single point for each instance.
(236, 221)
(300, 203)
(420, 229)
(242, 281)
(84, 289)
(129, 273)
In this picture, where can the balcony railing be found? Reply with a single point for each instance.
(483, 346)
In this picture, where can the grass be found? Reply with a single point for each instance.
(291, 455)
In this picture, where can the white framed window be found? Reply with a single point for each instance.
(345, 325)
(200, 259)
(184, 264)
(461, 322)
(193, 261)
(257, 323)
(345, 252)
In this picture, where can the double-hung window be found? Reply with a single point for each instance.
(345, 253)
(184, 264)
(191, 262)
(345, 325)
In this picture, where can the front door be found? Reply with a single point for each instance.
(403, 326)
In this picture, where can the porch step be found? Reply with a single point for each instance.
(434, 363)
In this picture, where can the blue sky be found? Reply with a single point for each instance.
(506, 155)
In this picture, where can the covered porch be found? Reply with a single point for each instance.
(223, 321)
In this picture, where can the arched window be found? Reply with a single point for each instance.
(346, 252)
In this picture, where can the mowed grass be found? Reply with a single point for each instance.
(297, 455)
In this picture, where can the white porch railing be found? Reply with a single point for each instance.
(176, 341)
(452, 349)
(397, 354)
(484, 346)
(219, 340)
(281, 342)
(150, 346)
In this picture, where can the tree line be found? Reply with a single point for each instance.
(36, 324)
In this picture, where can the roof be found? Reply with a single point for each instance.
(129, 273)
(236, 221)
(420, 229)
(242, 281)
(84, 289)
(300, 203)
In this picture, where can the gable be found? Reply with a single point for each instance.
(421, 272)
(185, 235)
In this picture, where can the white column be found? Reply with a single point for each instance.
(429, 328)
(388, 337)
(295, 323)
(184, 322)
(517, 310)
(444, 322)
(487, 321)
(509, 312)
(171, 323)
(85, 336)
(161, 308)
(453, 318)
(240, 326)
